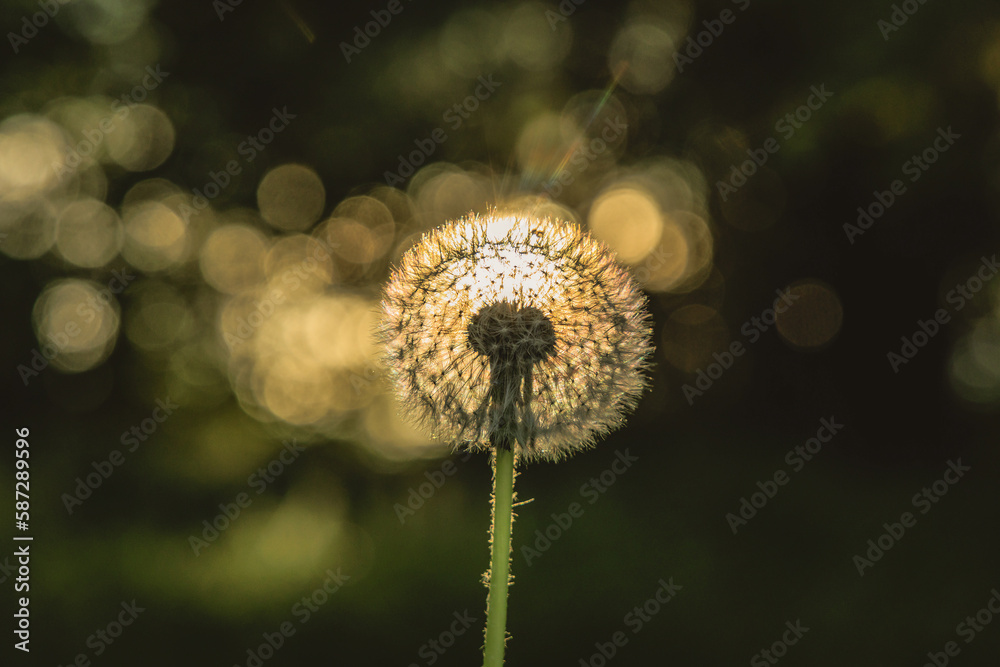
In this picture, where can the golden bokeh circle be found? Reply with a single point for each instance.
(291, 197)
(814, 316)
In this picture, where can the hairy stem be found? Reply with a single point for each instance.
(499, 576)
(513, 339)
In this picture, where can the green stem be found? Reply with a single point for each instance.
(496, 602)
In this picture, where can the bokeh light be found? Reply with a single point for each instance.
(814, 316)
(629, 221)
(974, 359)
(291, 197)
(232, 258)
(683, 259)
(89, 233)
(471, 57)
(143, 140)
(156, 237)
(76, 323)
(892, 106)
(359, 233)
(108, 21)
(249, 301)
(529, 38)
(974, 367)
(445, 191)
(29, 228)
(541, 146)
(159, 317)
(31, 152)
(298, 267)
(644, 52)
(392, 437)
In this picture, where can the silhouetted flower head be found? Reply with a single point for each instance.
(509, 328)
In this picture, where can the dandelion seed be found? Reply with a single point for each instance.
(506, 328)
(518, 335)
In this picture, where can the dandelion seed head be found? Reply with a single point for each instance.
(501, 330)
(508, 314)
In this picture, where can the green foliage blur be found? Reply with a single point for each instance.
(199, 202)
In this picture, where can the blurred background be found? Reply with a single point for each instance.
(199, 203)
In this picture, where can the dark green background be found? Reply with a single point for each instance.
(665, 517)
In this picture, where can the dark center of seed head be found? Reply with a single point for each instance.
(501, 331)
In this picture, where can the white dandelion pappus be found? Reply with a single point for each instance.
(507, 328)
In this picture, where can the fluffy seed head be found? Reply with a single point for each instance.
(502, 330)
(508, 314)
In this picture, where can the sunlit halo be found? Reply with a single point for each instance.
(582, 385)
(507, 272)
